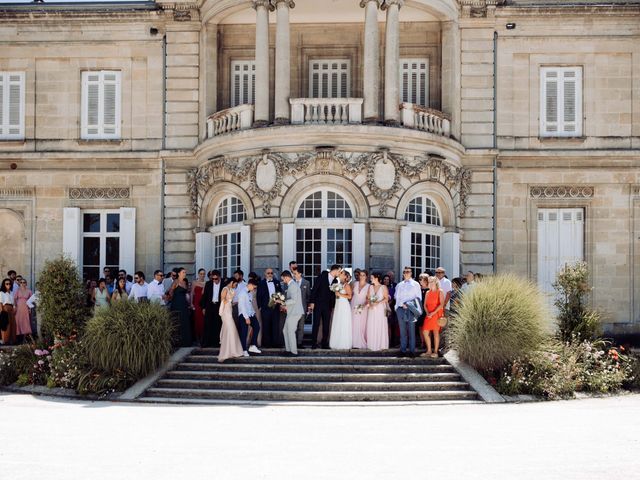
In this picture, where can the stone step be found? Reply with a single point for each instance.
(320, 360)
(311, 386)
(316, 368)
(310, 396)
(213, 401)
(313, 377)
(308, 352)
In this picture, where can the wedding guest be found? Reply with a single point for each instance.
(268, 287)
(445, 285)
(155, 289)
(470, 283)
(423, 280)
(359, 310)
(321, 304)
(110, 285)
(305, 293)
(254, 302)
(247, 316)
(13, 276)
(169, 278)
(211, 307)
(180, 308)
(197, 289)
(456, 283)
(477, 277)
(23, 318)
(230, 345)
(128, 282)
(434, 306)
(356, 277)
(101, 294)
(7, 301)
(377, 332)
(106, 272)
(294, 308)
(340, 337)
(407, 291)
(120, 292)
(238, 276)
(392, 318)
(32, 303)
(140, 289)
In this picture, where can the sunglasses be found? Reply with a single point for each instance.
(269, 273)
(407, 271)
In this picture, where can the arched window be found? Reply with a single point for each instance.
(324, 232)
(421, 239)
(230, 236)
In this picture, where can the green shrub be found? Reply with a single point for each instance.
(500, 319)
(574, 318)
(67, 363)
(134, 338)
(8, 372)
(62, 299)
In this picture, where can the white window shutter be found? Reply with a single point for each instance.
(90, 104)
(2, 104)
(329, 78)
(358, 246)
(204, 251)
(111, 104)
(451, 253)
(243, 76)
(101, 105)
(414, 81)
(561, 101)
(12, 93)
(288, 244)
(128, 239)
(405, 246)
(245, 248)
(72, 234)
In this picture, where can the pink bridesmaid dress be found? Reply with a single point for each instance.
(377, 327)
(23, 318)
(359, 320)
(230, 346)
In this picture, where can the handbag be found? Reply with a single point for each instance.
(442, 321)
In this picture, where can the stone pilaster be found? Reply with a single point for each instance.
(371, 60)
(261, 99)
(392, 61)
(283, 61)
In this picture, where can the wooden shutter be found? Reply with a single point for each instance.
(329, 78)
(288, 244)
(101, 105)
(12, 105)
(243, 82)
(414, 81)
(204, 251)
(359, 245)
(71, 234)
(561, 102)
(245, 248)
(128, 239)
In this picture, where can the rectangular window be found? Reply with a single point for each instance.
(425, 252)
(243, 82)
(101, 105)
(414, 81)
(330, 78)
(561, 102)
(12, 105)
(227, 252)
(100, 242)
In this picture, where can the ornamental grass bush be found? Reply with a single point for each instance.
(502, 318)
(128, 337)
(62, 302)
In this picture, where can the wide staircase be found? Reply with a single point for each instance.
(313, 376)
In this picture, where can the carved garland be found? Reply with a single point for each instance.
(455, 179)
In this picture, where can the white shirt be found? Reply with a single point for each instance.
(33, 299)
(271, 286)
(242, 287)
(216, 292)
(445, 286)
(155, 291)
(245, 305)
(139, 291)
(406, 291)
(466, 288)
(6, 298)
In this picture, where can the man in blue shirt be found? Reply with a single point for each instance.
(247, 317)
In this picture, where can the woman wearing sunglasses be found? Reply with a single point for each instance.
(9, 321)
(23, 317)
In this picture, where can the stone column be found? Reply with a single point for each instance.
(261, 100)
(283, 61)
(392, 62)
(371, 60)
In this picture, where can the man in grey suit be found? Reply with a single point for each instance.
(293, 306)
(305, 294)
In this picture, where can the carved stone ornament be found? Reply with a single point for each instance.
(99, 193)
(561, 191)
(478, 8)
(16, 192)
(263, 175)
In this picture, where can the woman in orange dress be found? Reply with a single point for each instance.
(197, 289)
(434, 308)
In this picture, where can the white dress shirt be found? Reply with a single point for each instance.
(245, 304)
(445, 286)
(216, 292)
(138, 291)
(155, 291)
(242, 287)
(272, 287)
(406, 291)
(6, 298)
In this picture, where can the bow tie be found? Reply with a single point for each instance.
(269, 281)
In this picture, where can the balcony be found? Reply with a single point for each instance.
(426, 119)
(230, 120)
(326, 111)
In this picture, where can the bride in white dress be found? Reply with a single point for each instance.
(341, 330)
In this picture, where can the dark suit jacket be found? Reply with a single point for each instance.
(305, 293)
(263, 297)
(207, 295)
(321, 294)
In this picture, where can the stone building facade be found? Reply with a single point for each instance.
(485, 136)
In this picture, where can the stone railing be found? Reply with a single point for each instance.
(225, 121)
(427, 119)
(332, 111)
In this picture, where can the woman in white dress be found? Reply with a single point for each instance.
(341, 330)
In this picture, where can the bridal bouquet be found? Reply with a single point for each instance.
(336, 287)
(276, 298)
(359, 309)
(373, 298)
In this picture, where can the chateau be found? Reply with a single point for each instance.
(483, 135)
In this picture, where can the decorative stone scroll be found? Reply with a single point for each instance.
(263, 175)
(99, 193)
(561, 191)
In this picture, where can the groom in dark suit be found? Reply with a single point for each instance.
(210, 303)
(271, 330)
(322, 302)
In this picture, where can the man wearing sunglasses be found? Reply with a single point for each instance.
(271, 331)
(210, 304)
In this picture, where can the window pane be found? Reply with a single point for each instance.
(91, 251)
(91, 223)
(90, 273)
(113, 251)
(113, 222)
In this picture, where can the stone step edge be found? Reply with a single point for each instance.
(307, 403)
(263, 384)
(452, 376)
(206, 391)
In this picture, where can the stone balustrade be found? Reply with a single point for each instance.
(332, 111)
(229, 120)
(426, 119)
